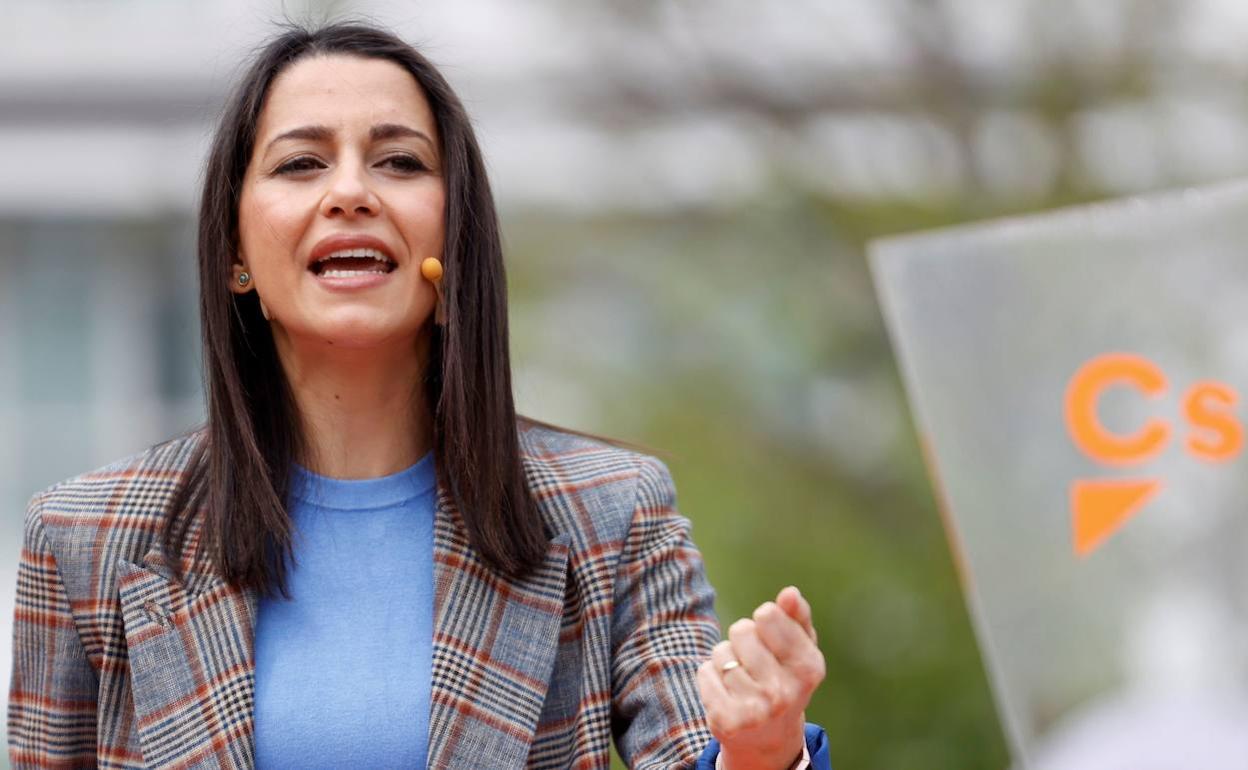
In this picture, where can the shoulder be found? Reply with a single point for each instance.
(589, 487)
(124, 500)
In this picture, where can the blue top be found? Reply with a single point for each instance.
(327, 694)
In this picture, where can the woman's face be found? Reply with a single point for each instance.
(345, 166)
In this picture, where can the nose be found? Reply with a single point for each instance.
(350, 193)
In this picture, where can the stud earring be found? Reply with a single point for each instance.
(244, 278)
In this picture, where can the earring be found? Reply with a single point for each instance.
(244, 278)
(431, 269)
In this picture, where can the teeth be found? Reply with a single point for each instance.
(349, 273)
(373, 253)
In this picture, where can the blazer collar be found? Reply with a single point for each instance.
(192, 664)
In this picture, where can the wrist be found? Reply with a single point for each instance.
(770, 760)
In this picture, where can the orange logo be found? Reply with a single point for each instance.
(1100, 507)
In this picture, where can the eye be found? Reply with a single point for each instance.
(302, 163)
(408, 164)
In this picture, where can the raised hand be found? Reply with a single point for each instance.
(757, 682)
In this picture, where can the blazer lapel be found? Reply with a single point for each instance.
(192, 670)
(192, 664)
(494, 642)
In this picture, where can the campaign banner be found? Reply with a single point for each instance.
(1077, 381)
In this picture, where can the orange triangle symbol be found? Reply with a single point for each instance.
(1100, 508)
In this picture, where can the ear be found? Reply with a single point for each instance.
(237, 270)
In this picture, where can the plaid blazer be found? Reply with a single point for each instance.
(117, 665)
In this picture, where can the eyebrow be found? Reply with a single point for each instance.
(378, 133)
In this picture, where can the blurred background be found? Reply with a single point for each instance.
(687, 189)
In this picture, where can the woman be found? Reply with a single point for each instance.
(294, 585)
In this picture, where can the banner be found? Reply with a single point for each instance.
(1077, 381)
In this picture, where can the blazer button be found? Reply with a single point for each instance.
(156, 613)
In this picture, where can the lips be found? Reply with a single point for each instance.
(351, 253)
(349, 261)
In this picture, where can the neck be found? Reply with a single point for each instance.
(363, 409)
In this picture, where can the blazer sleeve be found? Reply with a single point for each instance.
(52, 693)
(663, 626)
(816, 757)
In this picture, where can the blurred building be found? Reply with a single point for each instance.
(662, 109)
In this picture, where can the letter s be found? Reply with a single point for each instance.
(1208, 405)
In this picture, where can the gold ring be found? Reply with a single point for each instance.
(730, 665)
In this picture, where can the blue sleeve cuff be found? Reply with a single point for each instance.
(816, 744)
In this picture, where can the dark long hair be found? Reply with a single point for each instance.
(239, 475)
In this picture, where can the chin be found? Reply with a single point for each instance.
(365, 332)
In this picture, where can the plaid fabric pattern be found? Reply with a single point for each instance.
(116, 665)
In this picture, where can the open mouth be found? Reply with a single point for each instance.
(346, 263)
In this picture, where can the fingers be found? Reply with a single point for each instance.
(721, 653)
(759, 661)
(726, 711)
(714, 693)
(797, 652)
(786, 639)
(738, 681)
(792, 602)
(774, 652)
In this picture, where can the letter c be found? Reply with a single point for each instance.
(1081, 398)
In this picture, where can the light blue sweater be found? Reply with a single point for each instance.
(343, 669)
